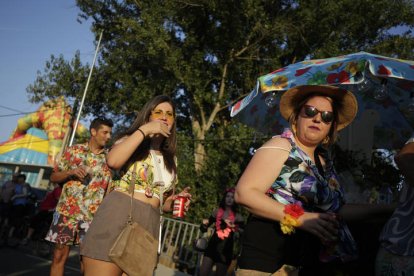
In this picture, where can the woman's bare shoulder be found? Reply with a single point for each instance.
(277, 143)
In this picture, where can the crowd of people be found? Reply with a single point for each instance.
(14, 203)
(298, 216)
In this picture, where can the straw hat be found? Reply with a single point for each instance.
(345, 101)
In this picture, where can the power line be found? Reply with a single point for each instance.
(16, 114)
(25, 113)
(9, 108)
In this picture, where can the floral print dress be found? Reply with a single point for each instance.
(79, 201)
(301, 182)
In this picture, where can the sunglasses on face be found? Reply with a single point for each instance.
(159, 114)
(311, 111)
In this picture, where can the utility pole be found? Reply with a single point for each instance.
(84, 92)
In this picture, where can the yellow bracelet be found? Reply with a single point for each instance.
(288, 224)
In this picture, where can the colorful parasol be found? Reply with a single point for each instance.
(381, 84)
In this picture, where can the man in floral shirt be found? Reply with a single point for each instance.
(86, 175)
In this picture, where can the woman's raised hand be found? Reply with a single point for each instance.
(323, 225)
(155, 127)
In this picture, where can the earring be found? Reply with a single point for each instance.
(294, 129)
(325, 140)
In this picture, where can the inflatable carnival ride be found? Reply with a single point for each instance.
(38, 140)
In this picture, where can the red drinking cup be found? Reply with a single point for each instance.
(179, 207)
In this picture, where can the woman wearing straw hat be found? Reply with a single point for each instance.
(292, 191)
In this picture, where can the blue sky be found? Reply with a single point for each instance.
(31, 31)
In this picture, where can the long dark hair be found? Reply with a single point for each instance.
(168, 146)
(222, 203)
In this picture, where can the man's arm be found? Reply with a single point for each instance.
(63, 176)
(62, 171)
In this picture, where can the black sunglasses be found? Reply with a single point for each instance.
(311, 111)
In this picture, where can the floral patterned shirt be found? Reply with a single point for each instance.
(145, 178)
(301, 182)
(79, 201)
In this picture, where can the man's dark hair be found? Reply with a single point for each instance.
(97, 122)
(21, 176)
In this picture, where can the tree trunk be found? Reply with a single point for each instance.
(199, 150)
(199, 155)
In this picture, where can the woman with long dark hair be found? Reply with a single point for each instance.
(149, 143)
(227, 222)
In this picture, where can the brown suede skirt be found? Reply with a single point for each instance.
(111, 218)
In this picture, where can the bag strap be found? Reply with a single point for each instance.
(131, 190)
(160, 177)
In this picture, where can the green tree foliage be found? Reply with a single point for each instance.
(60, 77)
(208, 53)
(228, 154)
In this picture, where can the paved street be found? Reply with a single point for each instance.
(22, 261)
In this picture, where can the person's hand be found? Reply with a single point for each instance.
(155, 127)
(184, 193)
(229, 223)
(79, 173)
(204, 225)
(323, 225)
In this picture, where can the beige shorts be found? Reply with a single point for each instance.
(111, 218)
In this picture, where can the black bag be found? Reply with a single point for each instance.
(201, 244)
